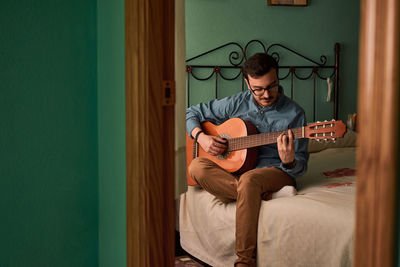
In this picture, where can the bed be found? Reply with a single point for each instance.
(313, 228)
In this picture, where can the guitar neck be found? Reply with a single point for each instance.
(261, 139)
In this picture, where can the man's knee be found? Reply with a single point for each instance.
(247, 180)
(198, 167)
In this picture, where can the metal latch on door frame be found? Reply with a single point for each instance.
(169, 92)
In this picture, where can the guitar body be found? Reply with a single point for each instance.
(236, 162)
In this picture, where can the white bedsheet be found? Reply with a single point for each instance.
(313, 228)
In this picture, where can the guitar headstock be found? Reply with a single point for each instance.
(325, 130)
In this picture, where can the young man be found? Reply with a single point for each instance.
(264, 105)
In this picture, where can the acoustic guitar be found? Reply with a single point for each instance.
(243, 140)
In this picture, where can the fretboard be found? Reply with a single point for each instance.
(261, 139)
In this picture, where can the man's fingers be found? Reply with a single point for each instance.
(217, 144)
(220, 140)
(217, 147)
(284, 139)
(213, 145)
(290, 134)
(216, 151)
(286, 146)
(279, 139)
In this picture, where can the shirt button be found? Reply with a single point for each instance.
(257, 126)
(261, 112)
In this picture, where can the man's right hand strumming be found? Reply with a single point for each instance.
(211, 144)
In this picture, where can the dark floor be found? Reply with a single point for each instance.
(182, 258)
(178, 249)
(186, 261)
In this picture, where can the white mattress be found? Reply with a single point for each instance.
(313, 228)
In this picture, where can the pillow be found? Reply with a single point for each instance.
(348, 140)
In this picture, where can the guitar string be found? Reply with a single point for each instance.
(243, 142)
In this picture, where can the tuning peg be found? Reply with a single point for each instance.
(318, 121)
(326, 140)
(318, 140)
(333, 120)
(334, 140)
(325, 121)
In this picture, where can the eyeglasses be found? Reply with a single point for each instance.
(261, 91)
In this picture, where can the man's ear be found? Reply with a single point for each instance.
(247, 83)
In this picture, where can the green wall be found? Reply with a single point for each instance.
(48, 136)
(310, 30)
(111, 122)
(62, 143)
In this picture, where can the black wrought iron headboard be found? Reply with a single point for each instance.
(241, 56)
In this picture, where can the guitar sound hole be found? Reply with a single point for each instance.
(225, 155)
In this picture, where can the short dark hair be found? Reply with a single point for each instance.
(258, 65)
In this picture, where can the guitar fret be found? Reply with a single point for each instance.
(244, 142)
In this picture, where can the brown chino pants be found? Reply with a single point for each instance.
(248, 191)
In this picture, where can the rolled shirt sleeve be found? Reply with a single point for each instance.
(215, 111)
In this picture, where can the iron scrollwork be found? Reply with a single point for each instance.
(239, 54)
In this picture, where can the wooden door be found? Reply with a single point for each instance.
(149, 36)
(378, 109)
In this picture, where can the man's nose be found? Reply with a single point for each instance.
(266, 93)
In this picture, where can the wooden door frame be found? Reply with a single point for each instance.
(150, 150)
(377, 154)
(149, 45)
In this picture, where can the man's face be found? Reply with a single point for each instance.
(264, 88)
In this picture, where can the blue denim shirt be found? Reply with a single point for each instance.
(283, 114)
